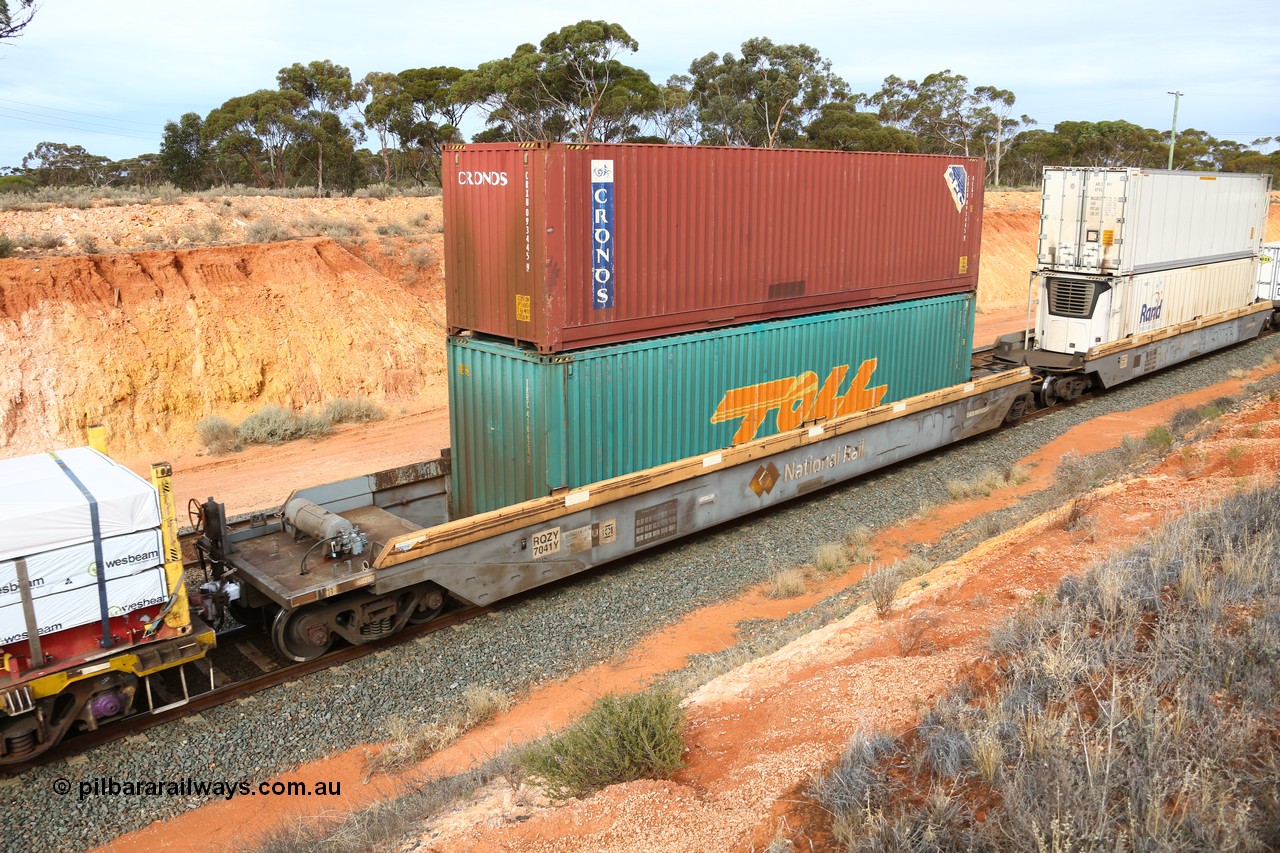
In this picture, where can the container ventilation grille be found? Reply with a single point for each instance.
(1071, 298)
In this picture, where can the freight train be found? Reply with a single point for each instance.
(589, 425)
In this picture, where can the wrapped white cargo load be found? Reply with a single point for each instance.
(72, 568)
(42, 509)
(1122, 221)
(75, 607)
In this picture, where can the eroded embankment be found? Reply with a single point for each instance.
(148, 343)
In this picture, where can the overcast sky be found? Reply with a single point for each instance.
(107, 76)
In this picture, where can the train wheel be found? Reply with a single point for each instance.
(431, 606)
(298, 637)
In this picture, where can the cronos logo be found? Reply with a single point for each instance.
(958, 183)
(482, 179)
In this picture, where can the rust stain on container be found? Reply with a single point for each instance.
(567, 247)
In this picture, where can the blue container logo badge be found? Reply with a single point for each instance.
(601, 234)
(958, 183)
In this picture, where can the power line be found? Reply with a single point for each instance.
(4, 112)
(74, 113)
(9, 111)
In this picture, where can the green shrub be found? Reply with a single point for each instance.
(393, 229)
(621, 739)
(15, 184)
(267, 231)
(274, 425)
(88, 244)
(320, 226)
(424, 257)
(217, 434)
(7, 246)
(1159, 438)
(358, 411)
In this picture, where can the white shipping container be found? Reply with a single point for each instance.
(76, 607)
(75, 567)
(1129, 221)
(1077, 313)
(41, 509)
(1269, 271)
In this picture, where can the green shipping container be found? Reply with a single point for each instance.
(525, 424)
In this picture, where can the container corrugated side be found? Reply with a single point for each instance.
(1126, 220)
(525, 424)
(566, 247)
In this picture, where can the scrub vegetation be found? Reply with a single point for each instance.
(1135, 710)
(621, 739)
(276, 425)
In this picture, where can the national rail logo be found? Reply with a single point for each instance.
(798, 399)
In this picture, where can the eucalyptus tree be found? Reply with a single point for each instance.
(571, 86)
(14, 17)
(387, 100)
(330, 93)
(258, 128)
(427, 115)
(184, 152)
(765, 97)
(840, 127)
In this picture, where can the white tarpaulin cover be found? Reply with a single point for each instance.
(80, 606)
(71, 568)
(41, 509)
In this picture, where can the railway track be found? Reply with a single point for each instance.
(272, 671)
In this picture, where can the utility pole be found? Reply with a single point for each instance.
(1173, 132)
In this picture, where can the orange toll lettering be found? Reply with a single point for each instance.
(798, 399)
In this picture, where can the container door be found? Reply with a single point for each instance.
(494, 243)
(1268, 272)
(1082, 214)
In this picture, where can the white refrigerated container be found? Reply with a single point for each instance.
(1127, 221)
(1078, 312)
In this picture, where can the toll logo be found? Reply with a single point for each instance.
(958, 184)
(602, 244)
(797, 399)
(1151, 312)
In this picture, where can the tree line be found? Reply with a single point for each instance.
(322, 128)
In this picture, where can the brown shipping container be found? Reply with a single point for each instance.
(568, 246)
